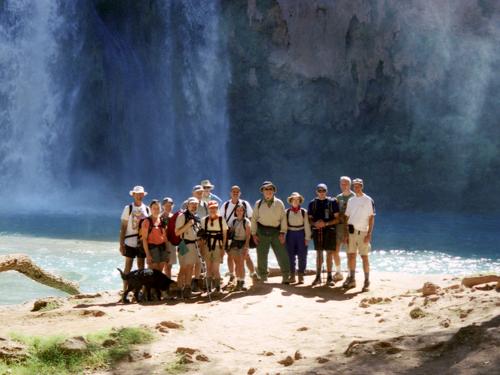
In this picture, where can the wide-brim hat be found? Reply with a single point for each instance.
(266, 184)
(206, 183)
(138, 190)
(295, 195)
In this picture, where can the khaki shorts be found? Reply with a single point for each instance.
(357, 243)
(190, 258)
(171, 253)
(213, 256)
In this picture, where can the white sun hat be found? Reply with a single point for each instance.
(138, 190)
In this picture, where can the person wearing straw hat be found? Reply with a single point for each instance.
(168, 206)
(360, 215)
(297, 236)
(208, 195)
(268, 230)
(132, 215)
(323, 215)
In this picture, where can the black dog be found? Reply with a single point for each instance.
(149, 279)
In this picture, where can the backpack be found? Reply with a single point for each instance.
(251, 243)
(329, 205)
(303, 211)
(213, 236)
(171, 236)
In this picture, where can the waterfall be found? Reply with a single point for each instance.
(29, 103)
(98, 96)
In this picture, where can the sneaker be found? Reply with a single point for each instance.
(292, 279)
(239, 286)
(317, 280)
(349, 283)
(366, 286)
(301, 279)
(338, 276)
(231, 278)
(329, 280)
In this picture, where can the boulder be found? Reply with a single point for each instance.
(429, 289)
(76, 344)
(11, 351)
(288, 361)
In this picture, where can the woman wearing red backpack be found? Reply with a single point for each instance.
(154, 238)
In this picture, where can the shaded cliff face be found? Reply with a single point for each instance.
(403, 94)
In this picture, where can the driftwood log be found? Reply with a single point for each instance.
(469, 282)
(23, 264)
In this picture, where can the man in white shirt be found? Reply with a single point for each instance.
(132, 215)
(227, 211)
(360, 216)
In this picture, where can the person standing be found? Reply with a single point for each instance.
(186, 227)
(323, 214)
(298, 235)
(268, 230)
(360, 215)
(215, 237)
(208, 195)
(132, 215)
(228, 212)
(202, 211)
(154, 238)
(168, 206)
(240, 244)
(345, 194)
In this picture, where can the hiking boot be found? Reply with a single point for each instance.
(366, 286)
(301, 278)
(329, 280)
(292, 278)
(317, 280)
(186, 293)
(349, 283)
(194, 285)
(231, 279)
(239, 286)
(285, 280)
(179, 294)
(338, 277)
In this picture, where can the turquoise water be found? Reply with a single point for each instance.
(84, 248)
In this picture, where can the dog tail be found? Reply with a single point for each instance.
(124, 277)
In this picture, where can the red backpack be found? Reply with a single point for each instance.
(171, 236)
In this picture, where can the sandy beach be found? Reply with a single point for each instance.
(274, 328)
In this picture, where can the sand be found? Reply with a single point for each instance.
(321, 329)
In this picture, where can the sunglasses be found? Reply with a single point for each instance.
(267, 189)
(321, 191)
(207, 187)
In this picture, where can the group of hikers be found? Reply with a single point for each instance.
(205, 230)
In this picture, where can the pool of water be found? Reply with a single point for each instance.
(84, 248)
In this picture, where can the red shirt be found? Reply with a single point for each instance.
(157, 236)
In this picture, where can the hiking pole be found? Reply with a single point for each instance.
(204, 271)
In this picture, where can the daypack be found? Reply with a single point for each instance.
(213, 236)
(303, 211)
(171, 236)
(330, 201)
(139, 235)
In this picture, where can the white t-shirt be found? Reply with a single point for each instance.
(359, 210)
(228, 212)
(138, 213)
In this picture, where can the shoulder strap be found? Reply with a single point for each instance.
(206, 224)
(303, 213)
(226, 205)
(259, 204)
(288, 216)
(129, 209)
(220, 224)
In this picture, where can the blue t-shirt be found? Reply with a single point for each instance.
(323, 209)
